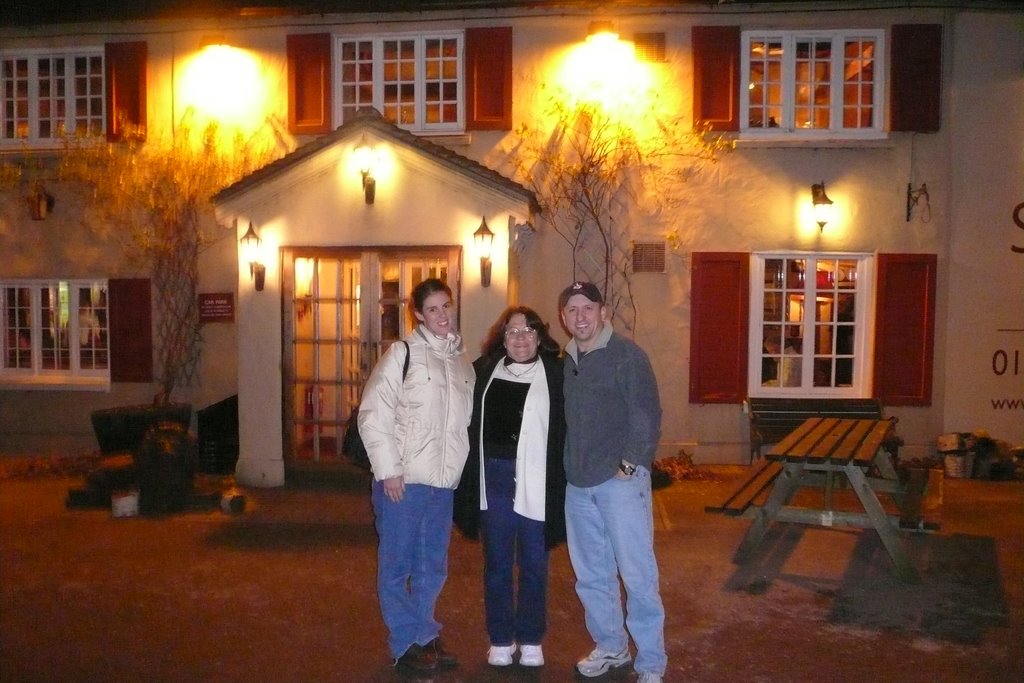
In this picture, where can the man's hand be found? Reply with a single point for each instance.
(394, 488)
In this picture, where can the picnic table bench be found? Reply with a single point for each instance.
(772, 419)
(813, 455)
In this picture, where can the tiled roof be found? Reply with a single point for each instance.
(371, 120)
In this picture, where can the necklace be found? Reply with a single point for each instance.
(527, 368)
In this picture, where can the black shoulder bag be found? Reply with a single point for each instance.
(352, 444)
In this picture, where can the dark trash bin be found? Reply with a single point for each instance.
(218, 436)
(165, 465)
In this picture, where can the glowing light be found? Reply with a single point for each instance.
(604, 70)
(224, 84)
(304, 277)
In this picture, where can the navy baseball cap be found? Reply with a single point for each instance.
(587, 289)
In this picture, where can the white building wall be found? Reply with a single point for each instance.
(751, 200)
(984, 331)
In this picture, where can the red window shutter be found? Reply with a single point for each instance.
(719, 321)
(131, 332)
(489, 78)
(125, 66)
(916, 78)
(905, 329)
(716, 75)
(309, 83)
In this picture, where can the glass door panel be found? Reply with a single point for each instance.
(347, 308)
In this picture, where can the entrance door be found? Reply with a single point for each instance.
(343, 309)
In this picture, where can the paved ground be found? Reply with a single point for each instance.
(285, 592)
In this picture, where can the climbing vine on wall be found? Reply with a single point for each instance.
(598, 176)
(156, 195)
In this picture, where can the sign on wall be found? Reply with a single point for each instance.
(217, 307)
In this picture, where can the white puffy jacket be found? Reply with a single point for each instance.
(419, 429)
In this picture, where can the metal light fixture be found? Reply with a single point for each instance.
(251, 252)
(602, 29)
(916, 196)
(822, 205)
(213, 40)
(365, 159)
(483, 238)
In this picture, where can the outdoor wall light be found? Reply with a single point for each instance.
(251, 252)
(602, 30)
(822, 205)
(365, 158)
(40, 203)
(483, 238)
(914, 197)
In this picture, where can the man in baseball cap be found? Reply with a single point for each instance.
(587, 289)
(613, 424)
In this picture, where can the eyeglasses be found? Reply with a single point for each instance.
(517, 332)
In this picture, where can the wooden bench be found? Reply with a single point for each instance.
(754, 489)
(772, 419)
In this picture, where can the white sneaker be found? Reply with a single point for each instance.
(648, 677)
(501, 655)
(531, 655)
(599, 661)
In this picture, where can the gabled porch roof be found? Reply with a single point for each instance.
(370, 120)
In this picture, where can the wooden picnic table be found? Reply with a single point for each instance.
(819, 454)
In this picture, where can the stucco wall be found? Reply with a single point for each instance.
(984, 359)
(751, 200)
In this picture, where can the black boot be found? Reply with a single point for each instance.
(418, 659)
(444, 658)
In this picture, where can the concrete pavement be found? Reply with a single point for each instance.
(285, 592)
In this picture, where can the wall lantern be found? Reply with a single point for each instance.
(602, 30)
(251, 252)
(40, 203)
(365, 158)
(914, 197)
(213, 40)
(483, 238)
(822, 205)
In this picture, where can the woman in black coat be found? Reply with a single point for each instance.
(512, 491)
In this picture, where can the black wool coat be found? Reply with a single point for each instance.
(466, 511)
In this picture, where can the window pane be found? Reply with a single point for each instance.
(17, 322)
(858, 75)
(416, 78)
(39, 93)
(807, 324)
(812, 83)
(765, 83)
(92, 328)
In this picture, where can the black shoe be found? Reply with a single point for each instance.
(418, 659)
(445, 659)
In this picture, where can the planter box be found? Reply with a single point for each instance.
(121, 429)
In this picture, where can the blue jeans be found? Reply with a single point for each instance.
(611, 533)
(412, 561)
(508, 539)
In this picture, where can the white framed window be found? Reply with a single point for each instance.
(813, 84)
(809, 324)
(415, 81)
(55, 333)
(46, 95)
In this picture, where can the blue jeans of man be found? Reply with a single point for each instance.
(611, 533)
(412, 561)
(508, 539)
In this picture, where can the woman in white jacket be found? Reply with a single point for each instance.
(416, 437)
